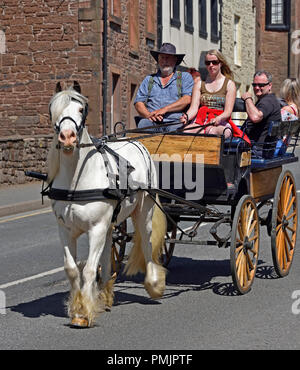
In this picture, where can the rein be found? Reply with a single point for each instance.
(113, 137)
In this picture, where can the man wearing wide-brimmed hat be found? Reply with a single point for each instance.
(162, 97)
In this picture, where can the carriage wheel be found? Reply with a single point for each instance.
(284, 223)
(120, 238)
(244, 244)
(169, 249)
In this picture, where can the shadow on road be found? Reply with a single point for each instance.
(53, 305)
(184, 274)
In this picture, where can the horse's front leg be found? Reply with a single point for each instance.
(71, 269)
(91, 304)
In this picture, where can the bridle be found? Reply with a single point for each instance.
(79, 127)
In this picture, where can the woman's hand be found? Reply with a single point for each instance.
(215, 121)
(184, 118)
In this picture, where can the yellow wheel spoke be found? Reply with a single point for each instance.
(290, 205)
(291, 215)
(253, 238)
(250, 262)
(254, 223)
(291, 244)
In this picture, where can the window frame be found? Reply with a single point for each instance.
(285, 26)
(188, 16)
(202, 15)
(214, 20)
(175, 13)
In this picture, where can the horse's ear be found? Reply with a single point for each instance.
(58, 87)
(77, 87)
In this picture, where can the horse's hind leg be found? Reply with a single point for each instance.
(155, 279)
(107, 281)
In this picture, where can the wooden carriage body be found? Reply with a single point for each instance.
(233, 175)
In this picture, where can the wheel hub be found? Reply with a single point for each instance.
(284, 223)
(247, 244)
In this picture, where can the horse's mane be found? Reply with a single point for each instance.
(57, 104)
(62, 99)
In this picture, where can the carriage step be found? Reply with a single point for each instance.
(197, 242)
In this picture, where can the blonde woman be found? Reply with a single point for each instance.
(290, 93)
(215, 97)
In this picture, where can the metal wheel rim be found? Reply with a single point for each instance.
(167, 253)
(284, 223)
(118, 247)
(244, 249)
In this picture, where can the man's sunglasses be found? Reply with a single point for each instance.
(260, 85)
(214, 62)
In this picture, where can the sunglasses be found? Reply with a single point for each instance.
(260, 85)
(214, 62)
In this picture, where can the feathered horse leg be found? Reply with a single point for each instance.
(90, 305)
(107, 281)
(148, 243)
(71, 270)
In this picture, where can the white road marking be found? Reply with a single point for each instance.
(13, 218)
(33, 277)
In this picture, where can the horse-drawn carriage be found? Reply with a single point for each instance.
(253, 191)
(196, 173)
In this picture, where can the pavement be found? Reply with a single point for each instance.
(21, 198)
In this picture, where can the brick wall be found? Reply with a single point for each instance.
(45, 41)
(132, 64)
(43, 45)
(272, 47)
(20, 154)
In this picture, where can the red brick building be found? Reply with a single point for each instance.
(104, 45)
(277, 39)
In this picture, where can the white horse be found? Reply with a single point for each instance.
(82, 180)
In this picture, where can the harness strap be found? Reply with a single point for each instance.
(87, 195)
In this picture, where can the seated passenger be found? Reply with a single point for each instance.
(162, 97)
(195, 74)
(215, 97)
(290, 93)
(290, 96)
(260, 114)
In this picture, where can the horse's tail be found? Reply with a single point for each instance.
(159, 230)
(136, 261)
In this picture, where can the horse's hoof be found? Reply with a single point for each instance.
(79, 322)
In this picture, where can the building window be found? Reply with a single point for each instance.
(115, 8)
(150, 18)
(134, 39)
(115, 105)
(278, 14)
(188, 16)
(237, 40)
(175, 13)
(132, 112)
(214, 21)
(202, 19)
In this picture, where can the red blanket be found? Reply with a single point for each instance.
(205, 114)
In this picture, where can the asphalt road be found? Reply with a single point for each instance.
(200, 309)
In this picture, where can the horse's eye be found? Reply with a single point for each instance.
(81, 110)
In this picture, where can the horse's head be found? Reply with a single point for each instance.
(68, 110)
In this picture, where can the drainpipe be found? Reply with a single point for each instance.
(221, 28)
(104, 67)
(159, 23)
(289, 42)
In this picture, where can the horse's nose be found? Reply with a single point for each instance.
(67, 137)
